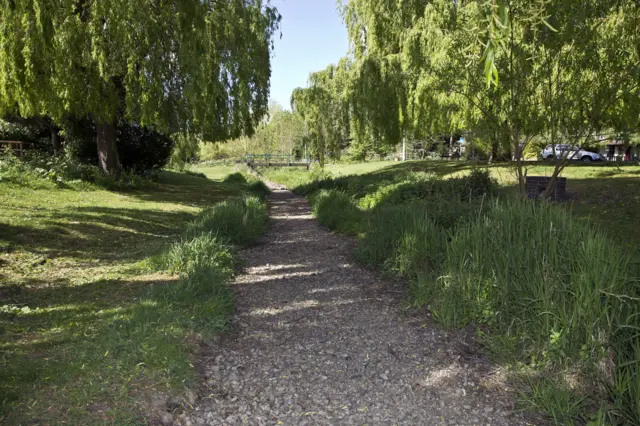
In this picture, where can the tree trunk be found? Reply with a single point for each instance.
(493, 156)
(55, 141)
(107, 150)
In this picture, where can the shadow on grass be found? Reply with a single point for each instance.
(96, 233)
(181, 188)
(113, 233)
(68, 347)
(612, 204)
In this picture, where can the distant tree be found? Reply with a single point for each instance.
(197, 66)
(325, 108)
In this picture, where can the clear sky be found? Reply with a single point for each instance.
(313, 36)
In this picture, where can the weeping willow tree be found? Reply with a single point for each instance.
(504, 71)
(324, 107)
(179, 65)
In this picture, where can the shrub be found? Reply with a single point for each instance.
(476, 184)
(238, 221)
(37, 166)
(185, 150)
(455, 193)
(336, 210)
(235, 178)
(141, 150)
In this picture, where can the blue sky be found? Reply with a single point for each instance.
(313, 36)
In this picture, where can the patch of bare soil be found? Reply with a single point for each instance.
(319, 340)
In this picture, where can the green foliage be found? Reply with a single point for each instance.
(402, 239)
(259, 189)
(205, 250)
(336, 210)
(324, 106)
(237, 221)
(186, 150)
(523, 259)
(38, 167)
(552, 396)
(40, 170)
(143, 151)
(198, 302)
(424, 69)
(236, 177)
(188, 65)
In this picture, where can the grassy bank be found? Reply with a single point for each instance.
(104, 295)
(550, 293)
(606, 193)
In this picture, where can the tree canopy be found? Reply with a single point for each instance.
(180, 65)
(502, 72)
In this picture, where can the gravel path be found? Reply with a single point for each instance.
(319, 340)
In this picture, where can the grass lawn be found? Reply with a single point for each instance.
(213, 172)
(79, 343)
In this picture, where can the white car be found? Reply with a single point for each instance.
(570, 152)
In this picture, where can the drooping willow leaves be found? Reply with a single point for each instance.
(196, 65)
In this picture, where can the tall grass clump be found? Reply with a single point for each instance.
(237, 221)
(336, 210)
(543, 280)
(203, 250)
(203, 292)
(402, 239)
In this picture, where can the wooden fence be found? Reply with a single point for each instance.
(17, 147)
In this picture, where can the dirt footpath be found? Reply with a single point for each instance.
(319, 340)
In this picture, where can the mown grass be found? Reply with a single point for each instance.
(90, 327)
(550, 292)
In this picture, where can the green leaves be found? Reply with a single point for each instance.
(176, 65)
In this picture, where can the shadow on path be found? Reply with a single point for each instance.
(319, 340)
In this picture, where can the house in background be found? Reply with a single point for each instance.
(618, 150)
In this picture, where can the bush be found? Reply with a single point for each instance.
(336, 210)
(36, 169)
(464, 190)
(185, 151)
(141, 150)
(476, 184)
(239, 221)
(236, 177)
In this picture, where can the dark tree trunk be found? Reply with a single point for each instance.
(55, 141)
(107, 150)
(493, 156)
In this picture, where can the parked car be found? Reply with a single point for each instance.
(571, 152)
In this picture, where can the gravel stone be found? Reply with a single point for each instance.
(318, 340)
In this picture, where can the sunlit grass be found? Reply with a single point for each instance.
(82, 339)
